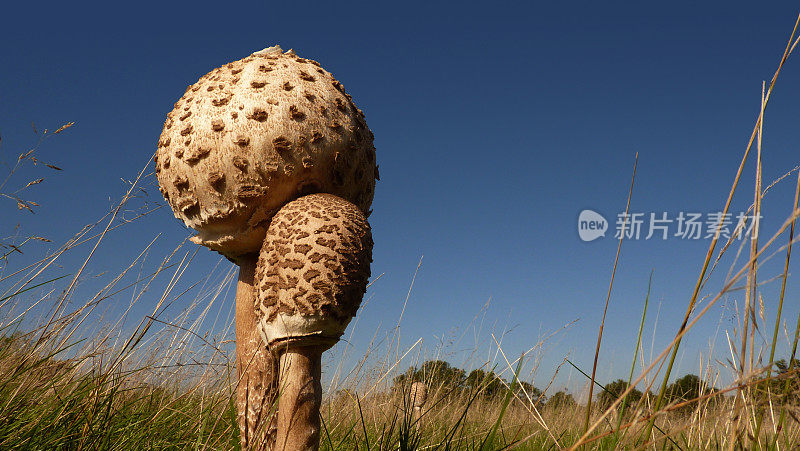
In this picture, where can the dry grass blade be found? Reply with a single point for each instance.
(608, 297)
(745, 364)
(658, 359)
(34, 182)
(64, 127)
(792, 42)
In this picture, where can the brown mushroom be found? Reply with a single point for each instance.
(313, 271)
(418, 396)
(244, 124)
(243, 141)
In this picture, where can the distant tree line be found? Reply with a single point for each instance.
(445, 379)
(448, 380)
(781, 387)
(686, 388)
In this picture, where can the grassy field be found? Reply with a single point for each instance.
(85, 403)
(69, 381)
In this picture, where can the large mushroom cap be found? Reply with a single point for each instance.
(255, 134)
(312, 271)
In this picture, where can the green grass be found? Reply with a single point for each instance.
(47, 403)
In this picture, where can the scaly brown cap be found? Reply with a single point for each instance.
(313, 270)
(255, 134)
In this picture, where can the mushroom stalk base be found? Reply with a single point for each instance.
(255, 394)
(300, 398)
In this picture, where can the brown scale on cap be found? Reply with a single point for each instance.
(313, 270)
(315, 120)
(217, 180)
(242, 140)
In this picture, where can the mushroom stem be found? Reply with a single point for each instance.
(417, 419)
(255, 367)
(300, 398)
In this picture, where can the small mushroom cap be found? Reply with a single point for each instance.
(313, 270)
(254, 134)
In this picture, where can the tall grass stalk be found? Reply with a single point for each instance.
(727, 287)
(746, 364)
(608, 296)
(638, 344)
(693, 299)
(787, 385)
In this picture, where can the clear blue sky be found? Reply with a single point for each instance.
(495, 125)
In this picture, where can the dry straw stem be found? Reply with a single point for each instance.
(745, 365)
(530, 405)
(686, 326)
(789, 49)
(63, 325)
(780, 305)
(68, 292)
(36, 268)
(750, 292)
(396, 333)
(685, 330)
(29, 155)
(608, 296)
(638, 344)
(680, 405)
(739, 231)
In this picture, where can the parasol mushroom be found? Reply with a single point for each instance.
(312, 274)
(418, 395)
(241, 143)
